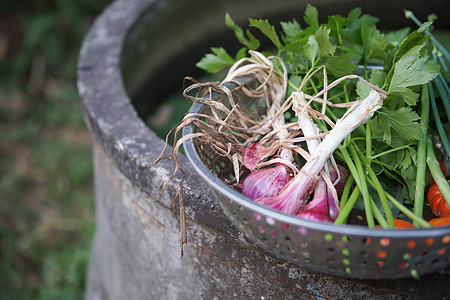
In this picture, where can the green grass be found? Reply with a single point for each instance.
(46, 184)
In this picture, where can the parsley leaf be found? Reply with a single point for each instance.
(374, 43)
(310, 49)
(251, 42)
(395, 37)
(215, 61)
(409, 71)
(326, 48)
(377, 78)
(417, 37)
(292, 30)
(312, 16)
(402, 120)
(268, 30)
(339, 66)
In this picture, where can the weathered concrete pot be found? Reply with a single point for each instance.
(136, 44)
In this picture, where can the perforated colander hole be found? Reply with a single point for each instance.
(440, 251)
(364, 253)
(411, 244)
(245, 221)
(330, 251)
(446, 239)
(429, 241)
(328, 237)
(381, 254)
(270, 221)
(379, 264)
(330, 260)
(407, 256)
(261, 229)
(345, 252)
(257, 217)
(424, 253)
(302, 231)
(384, 242)
(273, 234)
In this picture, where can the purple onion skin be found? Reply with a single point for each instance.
(333, 208)
(344, 173)
(265, 182)
(317, 209)
(253, 155)
(293, 196)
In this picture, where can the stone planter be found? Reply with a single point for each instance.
(137, 53)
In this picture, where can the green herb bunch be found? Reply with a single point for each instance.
(395, 143)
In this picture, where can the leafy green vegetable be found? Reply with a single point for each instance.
(251, 42)
(215, 61)
(268, 30)
(397, 61)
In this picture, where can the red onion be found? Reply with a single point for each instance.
(254, 154)
(317, 209)
(293, 196)
(265, 182)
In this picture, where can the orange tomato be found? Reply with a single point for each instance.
(437, 202)
(441, 221)
(401, 224)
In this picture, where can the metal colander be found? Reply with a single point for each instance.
(344, 250)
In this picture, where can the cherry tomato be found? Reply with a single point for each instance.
(401, 224)
(437, 202)
(441, 221)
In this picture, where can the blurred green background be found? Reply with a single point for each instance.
(46, 193)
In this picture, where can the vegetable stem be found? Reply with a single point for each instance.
(421, 222)
(390, 151)
(439, 125)
(347, 208)
(379, 216)
(346, 191)
(410, 15)
(377, 185)
(361, 181)
(368, 144)
(419, 194)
